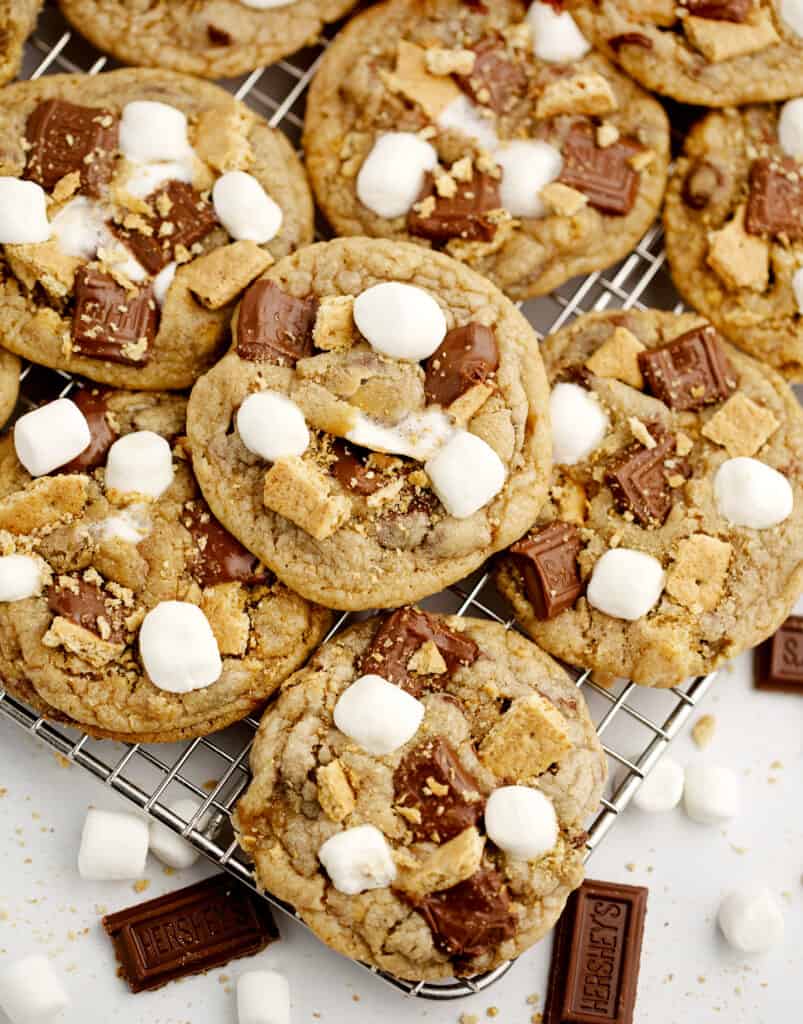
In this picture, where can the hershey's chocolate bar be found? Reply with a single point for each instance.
(779, 660)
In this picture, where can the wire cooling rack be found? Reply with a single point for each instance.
(635, 725)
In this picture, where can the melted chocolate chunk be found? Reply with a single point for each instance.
(547, 560)
(719, 10)
(110, 322)
(690, 372)
(442, 814)
(274, 327)
(467, 356)
(91, 400)
(64, 137)
(464, 215)
(218, 36)
(85, 604)
(603, 175)
(775, 204)
(351, 472)
(638, 479)
(217, 556)
(630, 39)
(497, 80)
(700, 184)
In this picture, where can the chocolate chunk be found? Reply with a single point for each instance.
(86, 605)
(188, 932)
(547, 560)
(217, 556)
(64, 137)
(775, 203)
(690, 372)
(463, 215)
(638, 479)
(719, 10)
(350, 470)
(274, 327)
(218, 36)
(497, 80)
(700, 184)
(466, 356)
(779, 660)
(91, 400)
(401, 634)
(452, 805)
(603, 175)
(110, 322)
(596, 954)
(630, 39)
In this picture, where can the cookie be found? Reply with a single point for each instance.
(379, 427)
(673, 539)
(135, 207)
(734, 224)
(18, 19)
(10, 368)
(444, 835)
(471, 128)
(715, 53)
(211, 38)
(125, 607)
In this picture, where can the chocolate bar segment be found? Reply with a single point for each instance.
(497, 80)
(85, 604)
(351, 472)
(603, 175)
(189, 932)
(274, 327)
(466, 356)
(775, 204)
(638, 479)
(719, 10)
(547, 561)
(779, 660)
(111, 322)
(64, 137)
(431, 781)
(690, 372)
(218, 557)
(463, 215)
(91, 400)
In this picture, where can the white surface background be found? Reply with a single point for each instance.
(688, 974)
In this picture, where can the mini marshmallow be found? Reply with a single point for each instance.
(461, 115)
(358, 859)
(80, 227)
(790, 127)
(50, 436)
(30, 991)
(626, 584)
(23, 212)
(392, 175)
(466, 474)
(751, 919)
(556, 37)
(521, 821)
(579, 423)
(162, 282)
(662, 789)
(114, 846)
(263, 997)
(132, 524)
(170, 848)
(378, 715)
(151, 131)
(527, 166)
(418, 436)
(178, 648)
(400, 320)
(20, 577)
(144, 179)
(791, 12)
(751, 493)
(272, 426)
(140, 463)
(710, 792)
(245, 209)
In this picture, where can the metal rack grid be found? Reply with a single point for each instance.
(635, 725)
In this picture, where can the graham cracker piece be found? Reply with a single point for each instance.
(702, 732)
(617, 358)
(301, 493)
(440, 61)
(723, 40)
(412, 78)
(66, 186)
(741, 426)
(217, 278)
(529, 737)
(334, 328)
(81, 642)
(449, 864)
(572, 502)
(220, 138)
(48, 501)
(587, 93)
(697, 578)
(641, 433)
(335, 794)
(427, 660)
(224, 607)
(607, 134)
(465, 407)
(43, 263)
(740, 259)
(323, 410)
(563, 199)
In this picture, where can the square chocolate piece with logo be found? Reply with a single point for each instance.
(64, 138)
(638, 479)
(548, 562)
(110, 322)
(690, 372)
(779, 660)
(463, 215)
(775, 205)
(603, 175)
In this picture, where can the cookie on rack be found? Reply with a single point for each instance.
(380, 426)
(125, 607)
(488, 131)
(734, 228)
(673, 538)
(18, 20)
(420, 794)
(212, 38)
(135, 207)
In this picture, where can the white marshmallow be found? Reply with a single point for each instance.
(418, 436)
(378, 715)
(20, 577)
(263, 997)
(144, 179)
(579, 423)
(710, 792)
(178, 648)
(162, 282)
(790, 127)
(114, 846)
(51, 436)
(114, 252)
(358, 859)
(463, 116)
(392, 175)
(521, 821)
(751, 493)
(140, 463)
(556, 37)
(80, 227)
(245, 209)
(271, 425)
(152, 131)
(30, 991)
(751, 919)
(797, 288)
(625, 584)
(662, 789)
(400, 320)
(132, 524)
(527, 166)
(466, 474)
(23, 212)
(791, 12)
(170, 848)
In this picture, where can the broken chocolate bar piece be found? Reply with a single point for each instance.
(466, 356)
(547, 561)
(86, 605)
(497, 80)
(441, 796)
(111, 322)
(638, 479)
(274, 327)
(64, 137)
(719, 10)
(604, 176)
(779, 660)
(218, 557)
(91, 400)
(775, 204)
(463, 215)
(351, 471)
(689, 372)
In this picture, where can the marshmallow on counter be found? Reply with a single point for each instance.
(79, 227)
(418, 436)
(579, 423)
(378, 715)
(392, 175)
(23, 212)
(466, 474)
(797, 288)
(710, 792)
(162, 282)
(662, 789)
(178, 648)
(625, 584)
(20, 577)
(791, 12)
(114, 846)
(140, 463)
(463, 116)
(144, 179)
(245, 209)
(272, 426)
(152, 131)
(30, 991)
(51, 436)
(358, 859)
(263, 997)
(521, 821)
(527, 166)
(751, 919)
(790, 128)
(166, 845)
(751, 493)
(556, 37)
(400, 320)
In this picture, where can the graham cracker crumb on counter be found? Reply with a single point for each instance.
(141, 885)
(703, 730)
(468, 1018)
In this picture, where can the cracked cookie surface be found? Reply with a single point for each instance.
(17, 21)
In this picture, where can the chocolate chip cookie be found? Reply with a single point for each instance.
(471, 128)
(673, 538)
(17, 19)
(456, 846)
